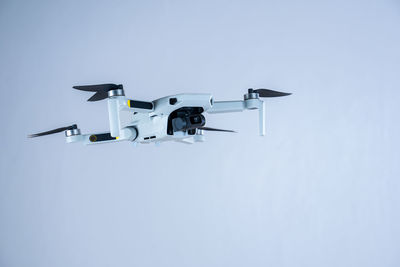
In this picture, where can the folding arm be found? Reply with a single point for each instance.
(227, 106)
(114, 93)
(240, 105)
(127, 134)
(119, 103)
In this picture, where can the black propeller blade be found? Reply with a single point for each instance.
(58, 130)
(215, 129)
(267, 92)
(100, 89)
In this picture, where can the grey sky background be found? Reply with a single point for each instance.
(321, 189)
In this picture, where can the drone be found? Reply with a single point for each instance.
(172, 118)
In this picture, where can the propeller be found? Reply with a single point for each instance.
(100, 89)
(58, 130)
(267, 92)
(215, 129)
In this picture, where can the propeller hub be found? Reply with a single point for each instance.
(251, 95)
(116, 92)
(72, 132)
(199, 131)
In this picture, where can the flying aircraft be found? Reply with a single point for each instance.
(172, 118)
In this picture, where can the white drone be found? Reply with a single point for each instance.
(171, 118)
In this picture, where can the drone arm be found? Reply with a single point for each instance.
(127, 134)
(239, 105)
(114, 115)
(227, 106)
(116, 104)
(261, 117)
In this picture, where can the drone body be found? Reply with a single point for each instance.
(172, 118)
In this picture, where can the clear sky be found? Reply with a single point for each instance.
(321, 189)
